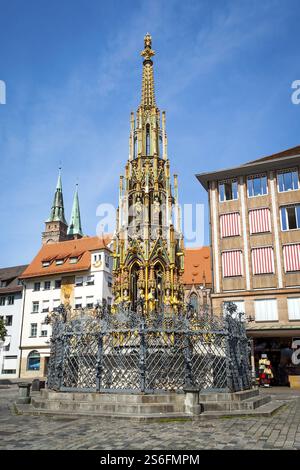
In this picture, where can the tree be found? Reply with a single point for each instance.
(3, 331)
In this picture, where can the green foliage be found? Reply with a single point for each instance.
(3, 331)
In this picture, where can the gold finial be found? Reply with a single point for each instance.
(147, 53)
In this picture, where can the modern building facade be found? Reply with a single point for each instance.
(77, 273)
(11, 312)
(255, 245)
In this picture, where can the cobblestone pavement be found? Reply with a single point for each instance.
(281, 431)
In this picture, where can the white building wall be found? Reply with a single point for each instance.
(9, 349)
(84, 294)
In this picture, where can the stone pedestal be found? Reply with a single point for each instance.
(24, 394)
(191, 401)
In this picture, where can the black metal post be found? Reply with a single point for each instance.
(142, 358)
(189, 382)
(99, 362)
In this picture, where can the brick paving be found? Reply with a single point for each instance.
(281, 431)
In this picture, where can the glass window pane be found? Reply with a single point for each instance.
(280, 182)
(264, 185)
(298, 215)
(256, 186)
(287, 177)
(291, 215)
(250, 187)
(283, 219)
(228, 191)
(234, 190)
(222, 192)
(295, 180)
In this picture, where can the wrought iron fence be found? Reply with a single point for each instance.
(131, 352)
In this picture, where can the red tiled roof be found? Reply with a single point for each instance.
(65, 250)
(197, 267)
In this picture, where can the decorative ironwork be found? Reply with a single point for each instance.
(137, 352)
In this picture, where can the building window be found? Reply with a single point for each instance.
(240, 308)
(59, 261)
(2, 300)
(47, 285)
(33, 330)
(35, 307)
(228, 190)
(8, 320)
(58, 284)
(109, 282)
(262, 260)
(3, 283)
(11, 299)
(56, 304)
(44, 331)
(290, 217)
(257, 185)
(266, 310)
(291, 257)
(232, 263)
(90, 301)
(288, 180)
(259, 220)
(73, 259)
(45, 306)
(109, 300)
(97, 257)
(90, 280)
(79, 281)
(107, 261)
(230, 224)
(45, 264)
(33, 360)
(37, 286)
(294, 308)
(78, 302)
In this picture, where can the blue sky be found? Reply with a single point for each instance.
(223, 73)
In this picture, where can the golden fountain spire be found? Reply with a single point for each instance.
(148, 96)
(148, 248)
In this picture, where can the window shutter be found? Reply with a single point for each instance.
(291, 256)
(230, 224)
(266, 310)
(232, 263)
(263, 260)
(259, 220)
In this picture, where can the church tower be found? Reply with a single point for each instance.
(56, 226)
(148, 243)
(75, 230)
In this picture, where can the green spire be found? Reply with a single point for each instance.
(57, 211)
(75, 221)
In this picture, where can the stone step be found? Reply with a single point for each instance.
(111, 397)
(97, 407)
(249, 404)
(266, 410)
(63, 414)
(227, 396)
